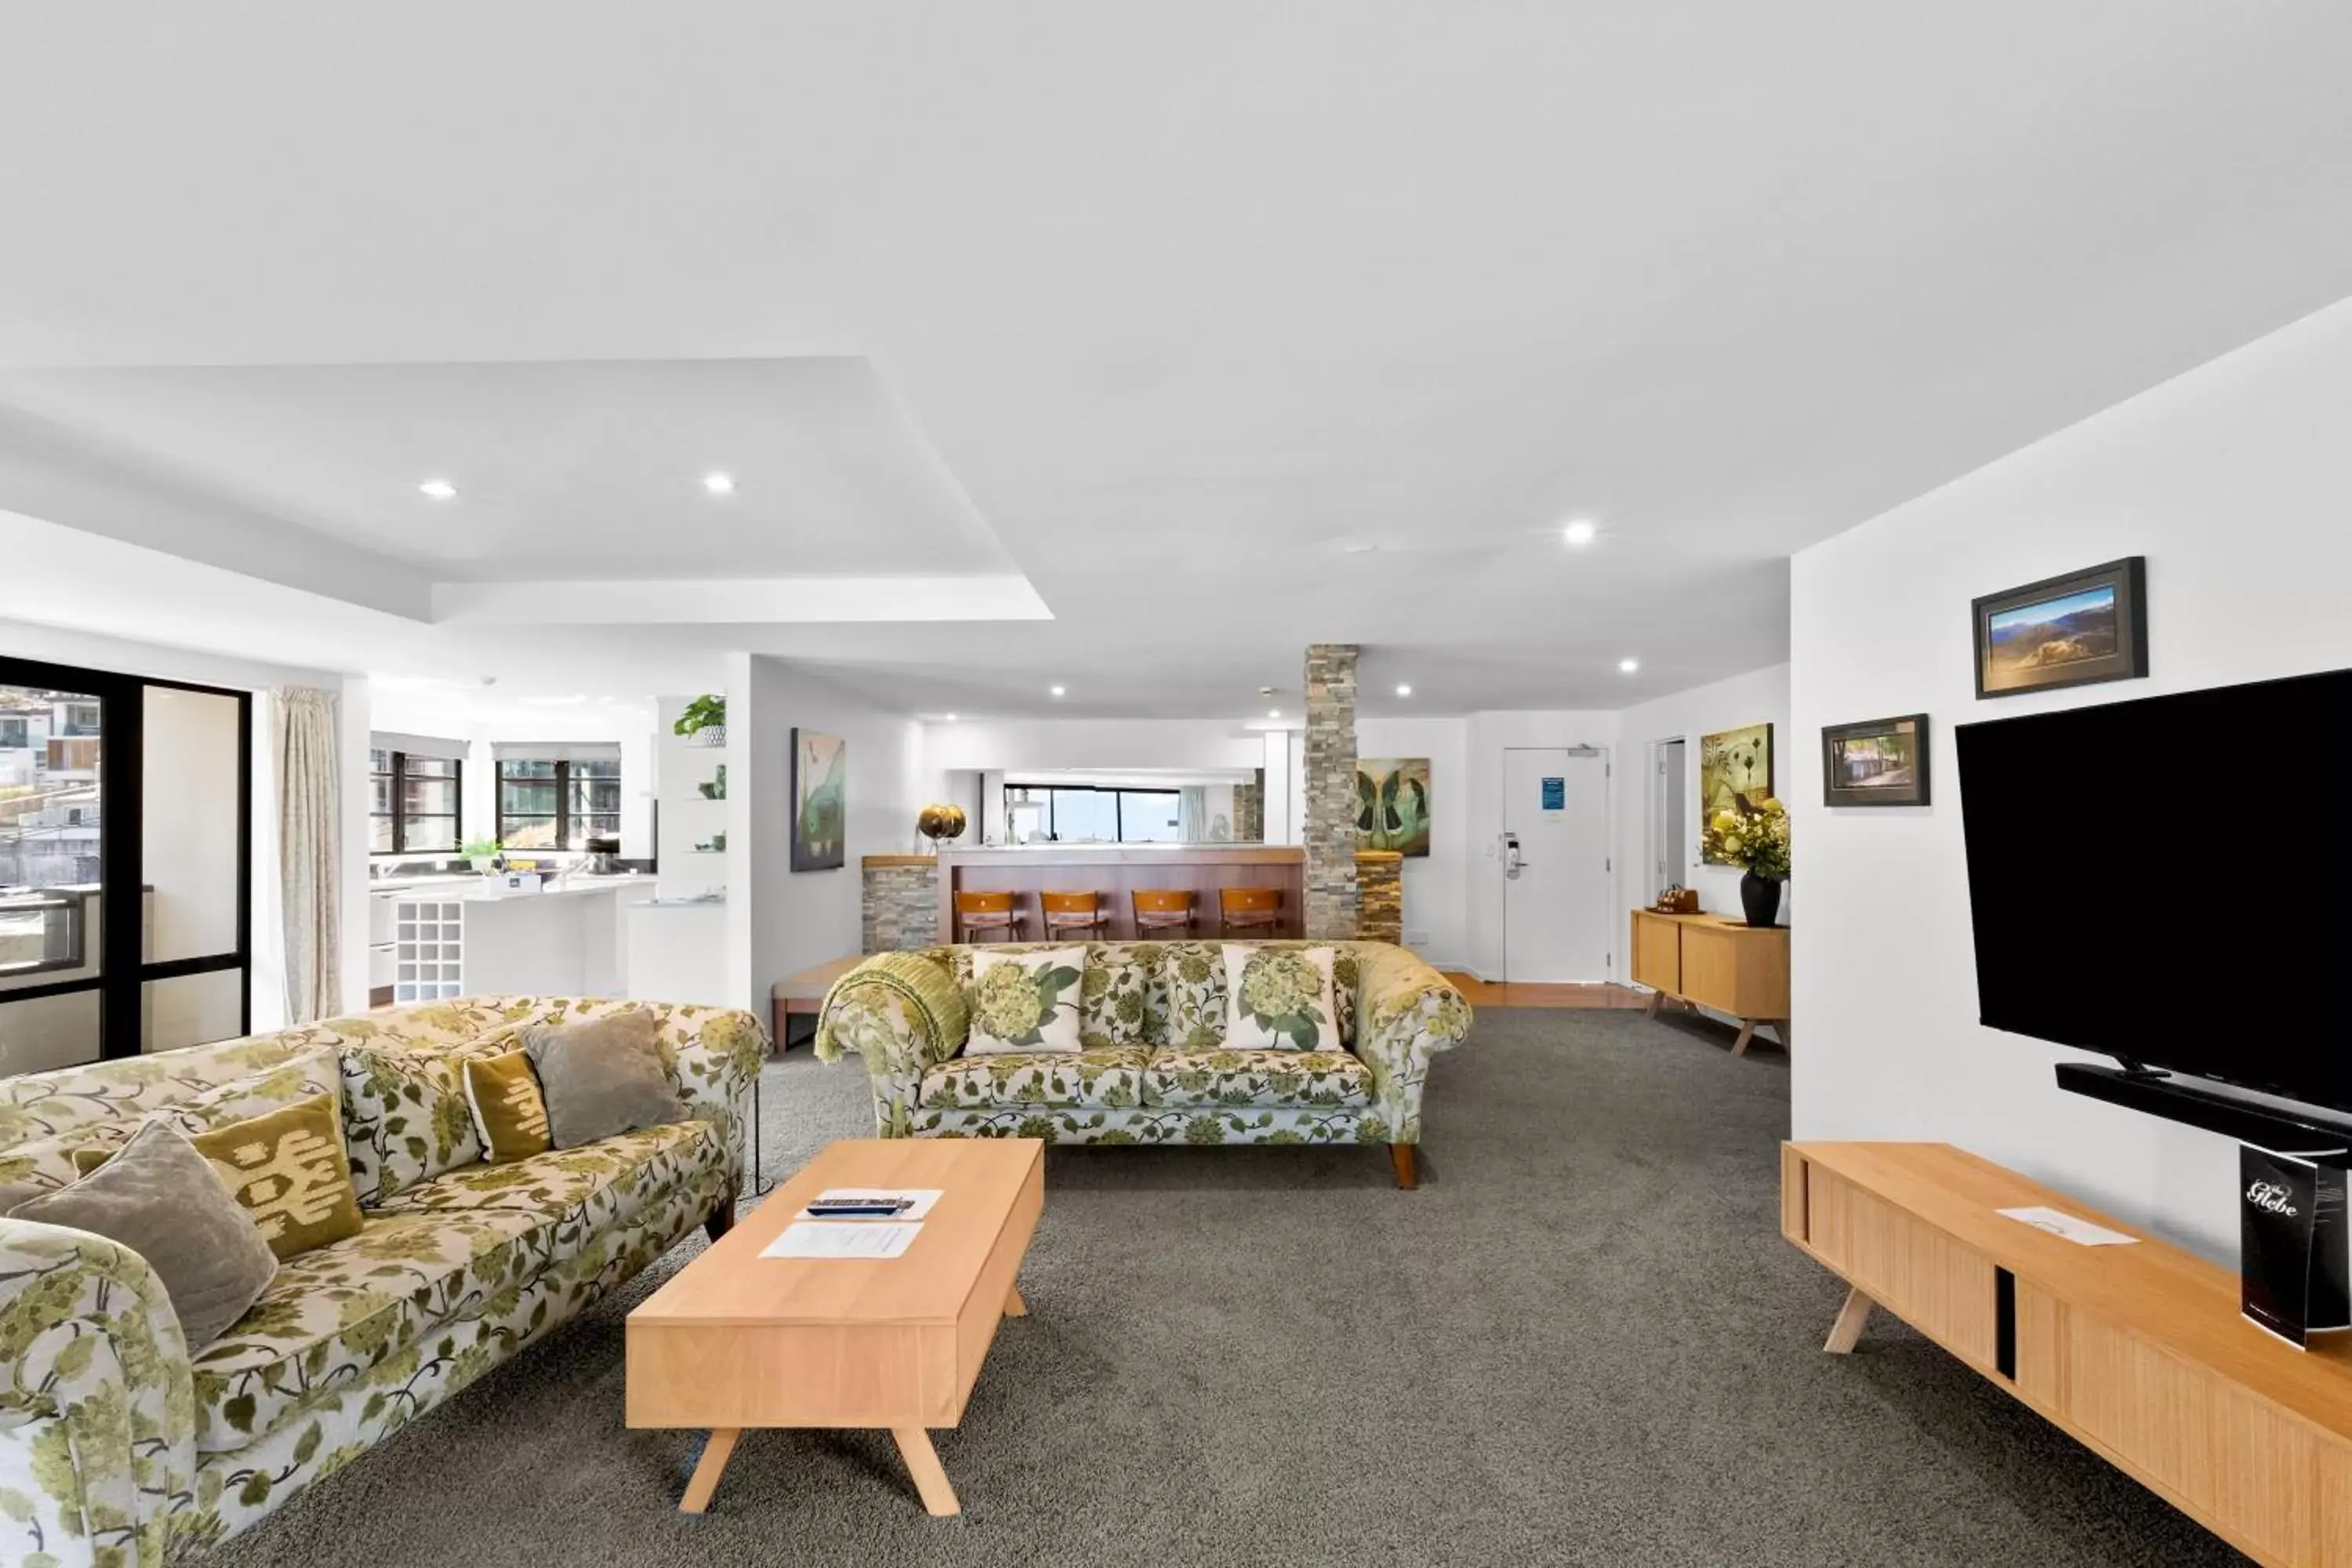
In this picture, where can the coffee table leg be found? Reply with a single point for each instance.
(923, 1464)
(1014, 1307)
(708, 1470)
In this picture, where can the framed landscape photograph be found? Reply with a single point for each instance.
(2064, 631)
(1877, 761)
(1393, 804)
(820, 785)
(1735, 775)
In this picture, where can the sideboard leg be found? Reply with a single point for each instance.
(1402, 1155)
(1655, 998)
(1746, 1033)
(1847, 1330)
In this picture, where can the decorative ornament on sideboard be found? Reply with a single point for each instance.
(937, 824)
(1757, 841)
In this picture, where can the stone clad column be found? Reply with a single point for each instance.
(1330, 790)
(1379, 896)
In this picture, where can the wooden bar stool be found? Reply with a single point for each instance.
(978, 912)
(1074, 912)
(1248, 909)
(1158, 910)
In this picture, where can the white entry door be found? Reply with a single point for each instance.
(1557, 912)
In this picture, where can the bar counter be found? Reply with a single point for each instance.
(1113, 871)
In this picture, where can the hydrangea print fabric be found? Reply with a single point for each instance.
(1026, 1002)
(1280, 999)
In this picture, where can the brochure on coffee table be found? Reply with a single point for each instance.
(825, 1238)
(2058, 1221)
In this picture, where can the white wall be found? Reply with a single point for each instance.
(1436, 886)
(779, 921)
(2233, 480)
(1760, 696)
(1098, 745)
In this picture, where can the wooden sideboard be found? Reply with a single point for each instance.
(1714, 961)
(2138, 1352)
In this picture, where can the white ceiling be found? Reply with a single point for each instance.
(1229, 327)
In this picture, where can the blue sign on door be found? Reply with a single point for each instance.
(1555, 795)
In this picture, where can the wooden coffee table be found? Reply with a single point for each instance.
(738, 1341)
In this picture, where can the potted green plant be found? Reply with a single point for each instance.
(704, 723)
(482, 854)
(1757, 841)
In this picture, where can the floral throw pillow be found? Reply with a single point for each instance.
(1025, 1001)
(1280, 999)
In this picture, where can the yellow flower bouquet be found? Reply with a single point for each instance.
(1757, 841)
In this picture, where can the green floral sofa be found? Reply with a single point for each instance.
(1153, 1070)
(116, 1448)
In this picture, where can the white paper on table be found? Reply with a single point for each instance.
(2081, 1232)
(924, 1198)
(830, 1238)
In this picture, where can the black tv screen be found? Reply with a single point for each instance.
(2165, 880)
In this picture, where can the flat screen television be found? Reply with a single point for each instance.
(2169, 881)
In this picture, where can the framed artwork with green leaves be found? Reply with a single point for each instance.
(1393, 804)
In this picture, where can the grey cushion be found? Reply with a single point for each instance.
(160, 1198)
(602, 1078)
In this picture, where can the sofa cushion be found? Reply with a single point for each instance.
(436, 1255)
(602, 1077)
(1026, 1002)
(1117, 1008)
(510, 1112)
(1106, 1077)
(405, 1116)
(1212, 1078)
(1280, 999)
(288, 1169)
(159, 1198)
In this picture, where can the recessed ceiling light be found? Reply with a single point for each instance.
(1404, 691)
(951, 718)
(718, 484)
(1274, 712)
(1061, 692)
(439, 489)
(1629, 665)
(1579, 532)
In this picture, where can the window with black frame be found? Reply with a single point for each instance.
(558, 797)
(416, 802)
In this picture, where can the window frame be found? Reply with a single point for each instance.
(563, 778)
(400, 814)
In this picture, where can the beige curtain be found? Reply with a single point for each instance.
(302, 724)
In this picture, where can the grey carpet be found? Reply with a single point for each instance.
(1582, 1341)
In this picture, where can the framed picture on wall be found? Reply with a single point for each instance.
(1735, 775)
(2086, 626)
(820, 785)
(1876, 761)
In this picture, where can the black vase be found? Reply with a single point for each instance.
(1760, 897)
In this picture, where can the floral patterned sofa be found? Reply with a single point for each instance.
(115, 1447)
(1153, 1070)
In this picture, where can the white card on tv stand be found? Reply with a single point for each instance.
(2081, 1232)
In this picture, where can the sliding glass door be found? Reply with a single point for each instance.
(125, 865)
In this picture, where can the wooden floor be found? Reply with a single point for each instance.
(1479, 994)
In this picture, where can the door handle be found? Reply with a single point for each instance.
(1513, 862)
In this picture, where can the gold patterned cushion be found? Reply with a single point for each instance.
(508, 1110)
(289, 1170)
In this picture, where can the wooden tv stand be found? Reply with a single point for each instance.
(2138, 1352)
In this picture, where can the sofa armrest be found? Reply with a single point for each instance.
(1405, 1012)
(97, 1422)
(904, 1013)
(714, 1054)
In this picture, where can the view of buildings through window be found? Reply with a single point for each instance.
(558, 805)
(51, 793)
